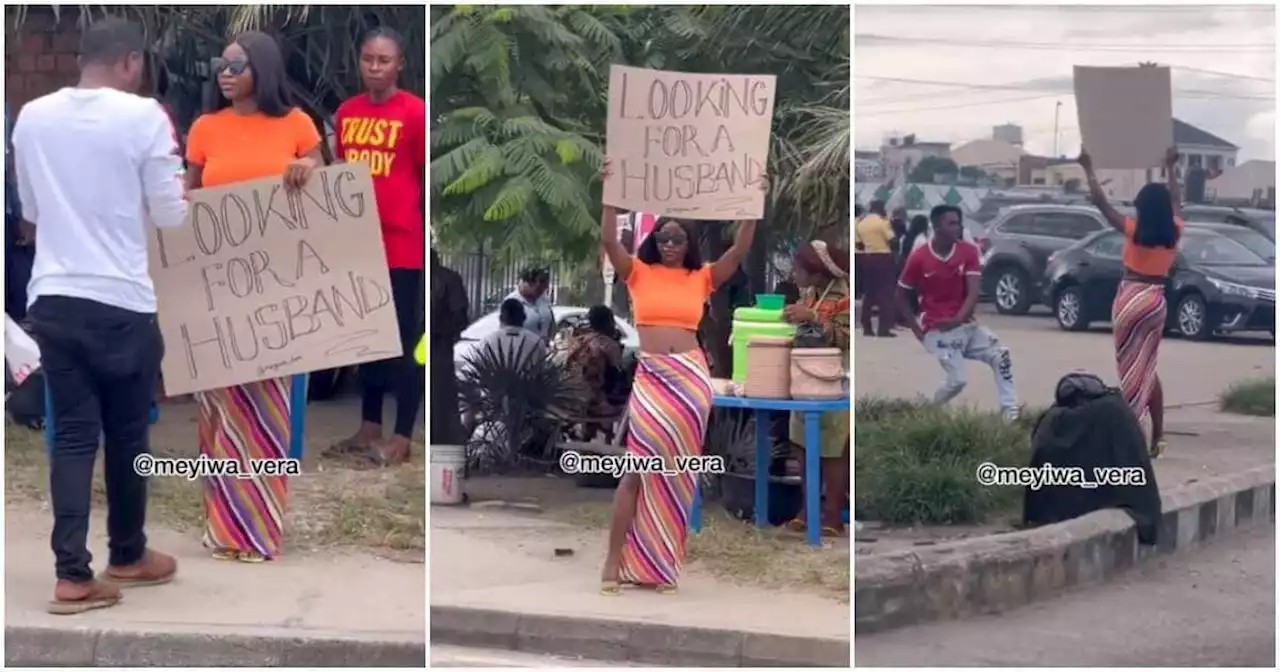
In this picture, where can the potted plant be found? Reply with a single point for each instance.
(519, 402)
(731, 434)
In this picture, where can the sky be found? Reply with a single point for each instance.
(1031, 50)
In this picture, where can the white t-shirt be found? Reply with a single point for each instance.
(95, 169)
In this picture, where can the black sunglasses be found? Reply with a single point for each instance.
(236, 67)
(669, 238)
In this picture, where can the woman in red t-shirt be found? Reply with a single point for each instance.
(385, 127)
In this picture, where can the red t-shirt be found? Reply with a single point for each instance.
(391, 137)
(940, 282)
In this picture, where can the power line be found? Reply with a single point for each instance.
(873, 40)
(1232, 75)
(901, 99)
(874, 113)
(1190, 93)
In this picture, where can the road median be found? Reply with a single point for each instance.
(995, 573)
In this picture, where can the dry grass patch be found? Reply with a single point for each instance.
(741, 553)
(330, 504)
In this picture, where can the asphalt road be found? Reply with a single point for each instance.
(1211, 607)
(1192, 372)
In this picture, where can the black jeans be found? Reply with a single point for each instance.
(100, 364)
(408, 291)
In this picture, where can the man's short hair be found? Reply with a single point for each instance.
(110, 40)
(939, 210)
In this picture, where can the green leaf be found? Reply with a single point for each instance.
(515, 196)
(568, 151)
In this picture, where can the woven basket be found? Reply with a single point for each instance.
(817, 373)
(768, 368)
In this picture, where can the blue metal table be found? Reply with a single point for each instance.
(297, 415)
(813, 488)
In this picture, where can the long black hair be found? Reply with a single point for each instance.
(270, 79)
(650, 254)
(919, 227)
(1155, 226)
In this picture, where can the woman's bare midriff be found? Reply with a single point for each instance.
(1134, 276)
(667, 340)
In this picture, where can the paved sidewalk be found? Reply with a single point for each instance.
(1214, 607)
(307, 609)
(501, 561)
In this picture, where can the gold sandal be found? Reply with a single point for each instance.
(610, 588)
(1158, 448)
(251, 557)
(225, 554)
(667, 589)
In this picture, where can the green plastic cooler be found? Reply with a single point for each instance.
(749, 322)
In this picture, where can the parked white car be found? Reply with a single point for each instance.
(566, 317)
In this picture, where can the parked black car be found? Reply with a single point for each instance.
(1262, 221)
(1217, 284)
(1018, 244)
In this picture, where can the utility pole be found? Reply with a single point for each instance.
(1056, 109)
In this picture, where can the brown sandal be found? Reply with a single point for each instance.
(97, 595)
(349, 446)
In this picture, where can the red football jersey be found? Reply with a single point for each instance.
(940, 281)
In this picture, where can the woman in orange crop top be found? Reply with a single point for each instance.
(1140, 310)
(253, 133)
(670, 398)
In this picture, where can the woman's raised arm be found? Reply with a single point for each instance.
(1097, 196)
(613, 248)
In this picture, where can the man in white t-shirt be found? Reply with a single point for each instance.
(97, 168)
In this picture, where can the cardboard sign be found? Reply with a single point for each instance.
(687, 145)
(1126, 115)
(263, 283)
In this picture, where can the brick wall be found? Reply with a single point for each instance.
(42, 57)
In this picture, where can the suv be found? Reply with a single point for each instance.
(1019, 242)
(1262, 221)
(995, 202)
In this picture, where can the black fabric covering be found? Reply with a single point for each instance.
(1099, 432)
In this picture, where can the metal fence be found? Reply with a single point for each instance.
(489, 278)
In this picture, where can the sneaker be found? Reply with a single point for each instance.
(1012, 414)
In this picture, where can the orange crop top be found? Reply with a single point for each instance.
(668, 297)
(1152, 261)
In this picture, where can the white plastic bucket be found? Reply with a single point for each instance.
(447, 473)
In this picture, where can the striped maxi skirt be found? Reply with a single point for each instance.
(244, 423)
(670, 404)
(1138, 319)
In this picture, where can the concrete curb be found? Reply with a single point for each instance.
(651, 643)
(30, 646)
(997, 573)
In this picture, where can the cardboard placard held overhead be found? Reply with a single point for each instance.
(688, 145)
(261, 282)
(1126, 115)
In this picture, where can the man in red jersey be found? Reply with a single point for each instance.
(385, 127)
(946, 274)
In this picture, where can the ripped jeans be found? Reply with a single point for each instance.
(975, 342)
